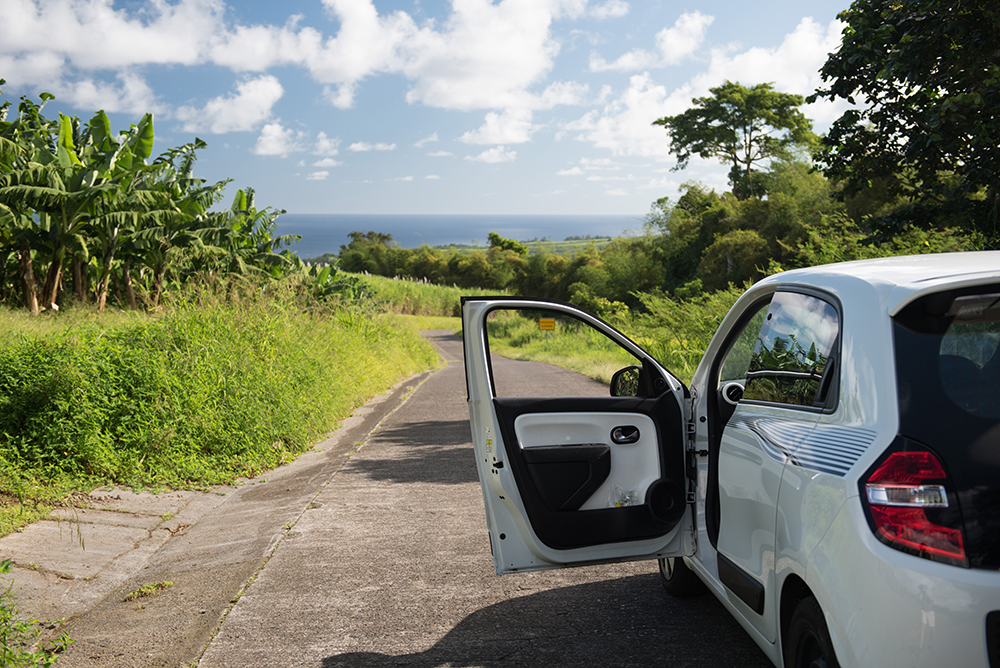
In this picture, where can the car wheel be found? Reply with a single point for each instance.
(678, 579)
(808, 644)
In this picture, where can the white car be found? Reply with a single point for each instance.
(831, 475)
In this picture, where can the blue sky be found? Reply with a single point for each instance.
(419, 106)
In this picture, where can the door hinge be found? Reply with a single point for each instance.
(690, 498)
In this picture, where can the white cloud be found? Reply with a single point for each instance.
(327, 162)
(624, 125)
(674, 44)
(405, 178)
(318, 176)
(440, 154)
(325, 145)
(575, 171)
(616, 192)
(793, 66)
(275, 139)
(94, 35)
(494, 155)
(486, 55)
(129, 94)
(512, 127)
(426, 140)
(612, 9)
(250, 106)
(599, 163)
(432, 177)
(363, 146)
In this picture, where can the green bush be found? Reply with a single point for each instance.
(198, 396)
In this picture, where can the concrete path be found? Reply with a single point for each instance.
(374, 552)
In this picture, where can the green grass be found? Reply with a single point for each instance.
(565, 248)
(199, 396)
(422, 322)
(572, 345)
(148, 589)
(415, 297)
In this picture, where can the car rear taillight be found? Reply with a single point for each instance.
(908, 506)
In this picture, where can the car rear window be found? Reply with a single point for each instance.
(947, 349)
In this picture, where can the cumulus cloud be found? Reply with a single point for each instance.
(250, 106)
(612, 9)
(275, 139)
(363, 146)
(674, 44)
(318, 176)
(440, 154)
(623, 125)
(494, 155)
(432, 177)
(426, 140)
(326, 145)
(575, 171)
(327, 162)
(513, 126)
(129, 93)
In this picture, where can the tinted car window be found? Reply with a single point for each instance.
(948, 376)
(793, 350)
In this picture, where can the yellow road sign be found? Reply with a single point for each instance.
(547, 324)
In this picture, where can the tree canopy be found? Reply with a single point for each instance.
(746, 127)
(925, 76)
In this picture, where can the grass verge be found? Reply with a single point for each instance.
(196, 397)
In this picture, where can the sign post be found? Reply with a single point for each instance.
(547, 325)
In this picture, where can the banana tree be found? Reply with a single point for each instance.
(247, 236)
(70, 181)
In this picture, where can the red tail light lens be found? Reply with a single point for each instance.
(899, 493)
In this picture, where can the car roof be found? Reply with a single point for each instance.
(900, 280)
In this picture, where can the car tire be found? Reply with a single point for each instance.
(678, 580)
(808, 643)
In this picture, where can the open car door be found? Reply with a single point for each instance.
(574, 471)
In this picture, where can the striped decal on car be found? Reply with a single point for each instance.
(831, 449)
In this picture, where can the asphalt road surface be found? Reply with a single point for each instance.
(379, 556)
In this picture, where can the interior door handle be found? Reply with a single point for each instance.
(624, 435)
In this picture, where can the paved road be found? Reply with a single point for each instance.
(373, 551)
(391, 566)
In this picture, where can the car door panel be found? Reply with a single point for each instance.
(576, 479)
(653, 512)
(634, 465)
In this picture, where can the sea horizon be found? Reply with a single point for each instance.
(325, 232)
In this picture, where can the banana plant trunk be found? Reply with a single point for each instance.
(129, 289)
(54, 277)
(79, 288)
(28, 277)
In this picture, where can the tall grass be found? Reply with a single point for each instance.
(198, 396)
(410, 297)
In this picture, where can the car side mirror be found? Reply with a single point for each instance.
(626, 382)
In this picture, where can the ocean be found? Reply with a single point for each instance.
(325, 233)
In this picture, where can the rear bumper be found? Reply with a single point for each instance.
(887, 608)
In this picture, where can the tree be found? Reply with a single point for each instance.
(503, 243)
(745, 127)
(925, 76)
